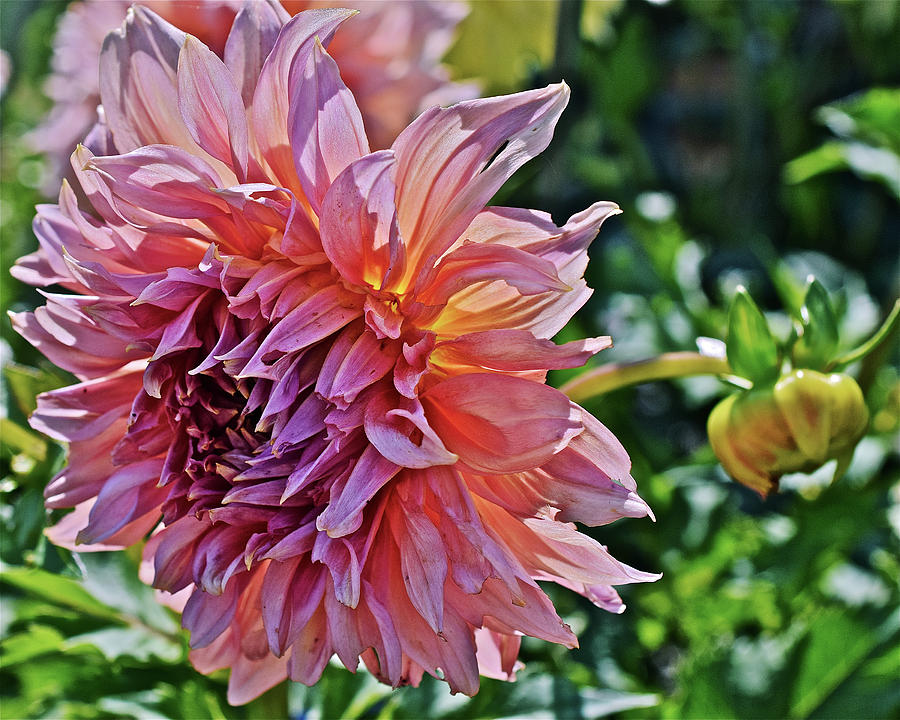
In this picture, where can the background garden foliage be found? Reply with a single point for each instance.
(749, 143)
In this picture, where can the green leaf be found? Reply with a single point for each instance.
(37, 640)
(112, 578)
(140, 643)
(819, 339)
(826, 158)
(63, 591)
(138, 705)
(872, 117)
(750, 347)
(838, 649)
(500, 43)
(131, 706)
(25, 383)
(600, 703)
(870, 141)
(23, 441)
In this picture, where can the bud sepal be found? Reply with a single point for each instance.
(798, 424)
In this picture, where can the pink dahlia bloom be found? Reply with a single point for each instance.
(315, 373)
(390, 58)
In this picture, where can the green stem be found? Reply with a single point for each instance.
(888, 327)
(665, 367)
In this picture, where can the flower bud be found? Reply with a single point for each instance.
(806, 419)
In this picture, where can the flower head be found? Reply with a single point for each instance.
(316, 373)
(389, 57)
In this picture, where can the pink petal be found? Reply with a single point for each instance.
(271, 100)
(516, 350)
(82, 411)
(343, 562)
(471, 264)
(424, 563)
(449, 165)
(128, 494)
(343, 631)
(376, 624)
(66, 530)
(497, 653)
(207, 616)
(534, 615)
(137, 82)
(250, 41)
(344, 512)
(485, 307)
(497, 423)
(89, 466)
(389, 57)
(162, 179)
(398, 428)
(292, 592)
(359, 223)
(558, 549)
(174, 553)
(251, 678)
(211, 106)
(311, 650)
(64, 337)
(322, 314)
(324, 125)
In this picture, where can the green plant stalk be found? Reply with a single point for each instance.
(887, 329)
(667, 366)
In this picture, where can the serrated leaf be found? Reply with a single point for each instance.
(750, 347)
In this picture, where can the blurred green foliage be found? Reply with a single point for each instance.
(750, 144)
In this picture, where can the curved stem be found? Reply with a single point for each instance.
(888, 327)
(610, 377)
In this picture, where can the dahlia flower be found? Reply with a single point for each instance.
(389, 58)
(313, 374)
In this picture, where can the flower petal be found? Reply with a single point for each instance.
(137, 82)
(398, 427)
(162, 179)
(252, 36)
(471, 263)
(344, 512)
(211, 106)
(271, 99)
(497, 423)
(451, 161)
(324, 124)
(515, 350)
(359, 222)
(486, 306)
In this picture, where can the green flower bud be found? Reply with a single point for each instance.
(806, 419)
